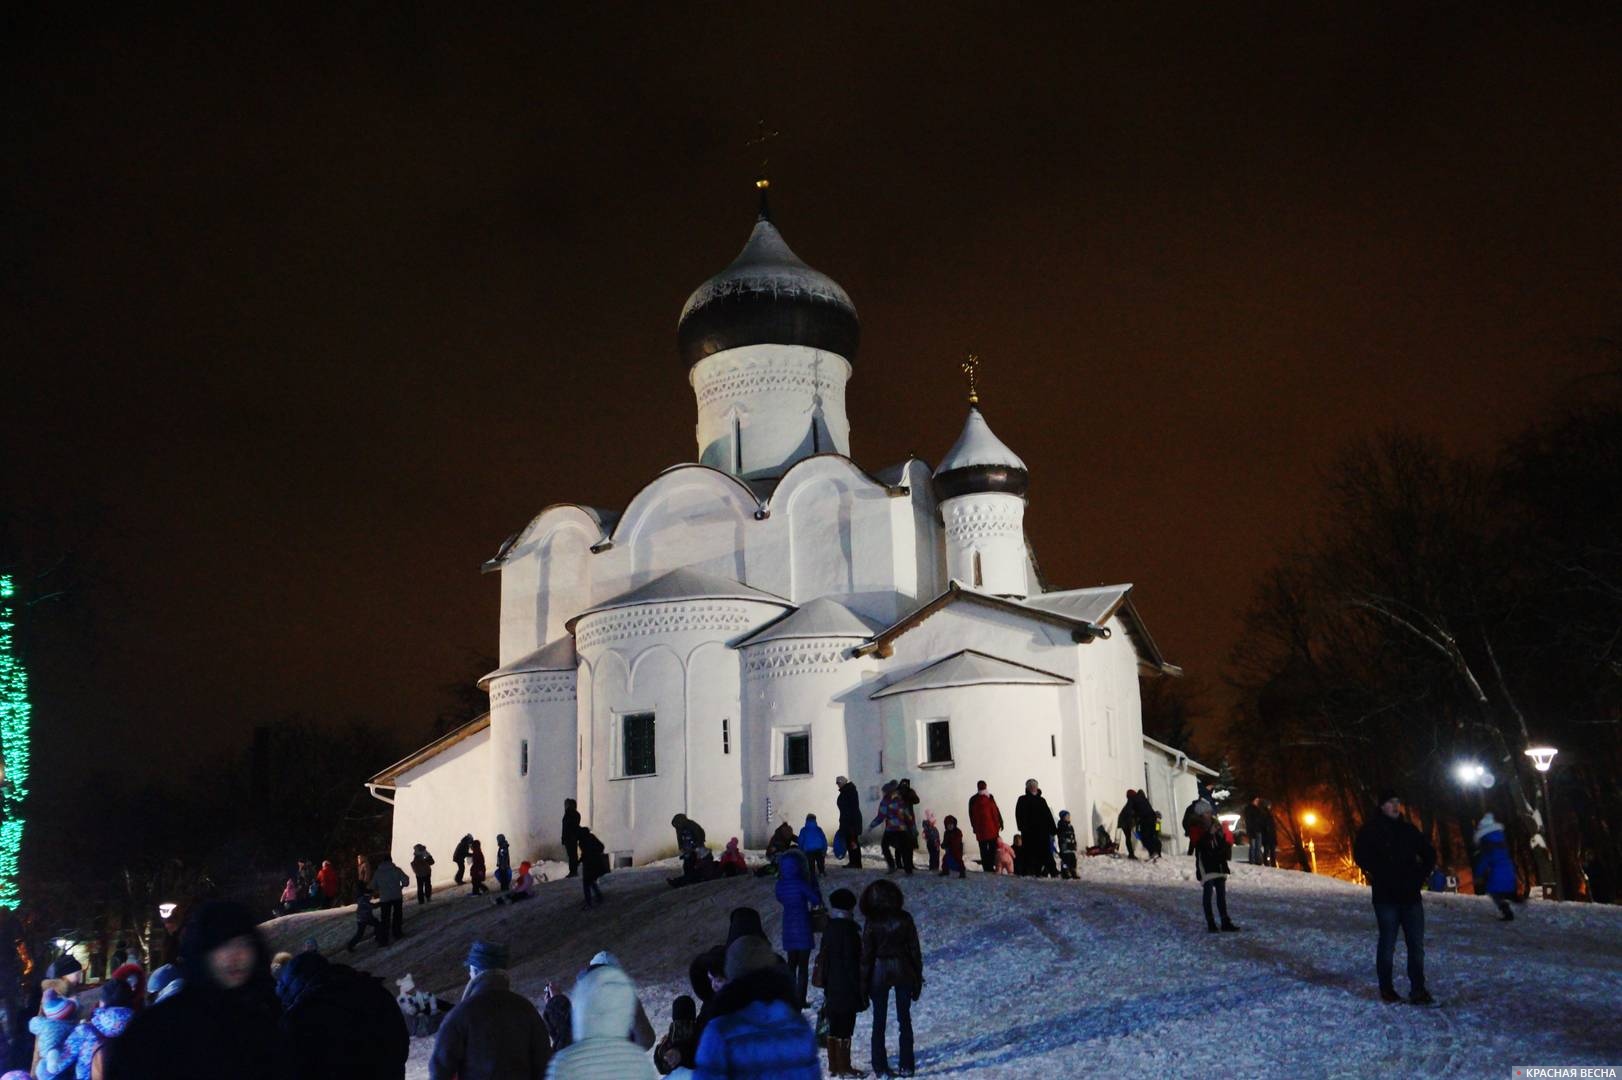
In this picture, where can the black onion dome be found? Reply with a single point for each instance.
(979, 462)
(767, 297)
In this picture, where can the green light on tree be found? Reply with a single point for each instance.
(14, 715)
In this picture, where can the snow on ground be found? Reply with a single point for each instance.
(1113, 975)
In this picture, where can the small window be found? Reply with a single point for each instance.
(797, 754)
(638, 744)
(726, 737)
(978, 577)
(937, 742)
(523, 758)
(1053, 744)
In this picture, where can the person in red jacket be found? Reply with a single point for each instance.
(327, 878)
(952, 842)
(986, 821)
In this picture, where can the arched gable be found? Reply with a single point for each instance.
(690, 515)
(588, 519)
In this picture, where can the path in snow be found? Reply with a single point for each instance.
(1114, 974)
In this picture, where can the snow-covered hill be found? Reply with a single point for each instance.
(1113, 975)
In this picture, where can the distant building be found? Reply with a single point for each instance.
(767, 618)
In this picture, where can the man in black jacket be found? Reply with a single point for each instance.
(492, 1032)
(850, 821)
(341, 1022)
(1034, 817)
(571, 835)
(1397, 859)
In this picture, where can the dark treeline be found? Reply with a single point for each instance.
(1450, 609)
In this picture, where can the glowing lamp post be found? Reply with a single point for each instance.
(1310, 820)
(1542, 758)
(165, 910)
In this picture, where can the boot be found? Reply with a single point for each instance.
(845, 1067)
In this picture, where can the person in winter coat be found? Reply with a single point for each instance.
(571, 835)
(88, 1043)
(895, 814)
(1148, 823)
(797, 892)
(932, 840)
(891, 959)
(1126, 820)
(679, 1046)
(814, 842)
(422, 867)
(558, 1012)
(224, 1019)
(365, 920)
(1005, 857)
(732, 861)
(504, 863)
(327, 878)
(593, 864)
(756, 1031)
(1067, 846)
(341, 1024)
(51, 1030)
(952, 856)
(1269, 835)
(1255, 826)
(641, 1030)
(850, 821)
(1211, 871)
(696, 860)
(523, 887)
(1396, 858)
(1034, 819)
(476, 869)
(911, 798)
(603, 1009)
(840, 964)
(493, 1033)
(463, 852)
(1493, 867)
(363, 871)
(389, 882)
(986, 821)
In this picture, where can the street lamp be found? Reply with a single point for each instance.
(165, 910)
(1309, 819)
(1542, 758)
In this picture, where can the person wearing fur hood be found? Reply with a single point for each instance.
(603, 1008)
(1493, 866)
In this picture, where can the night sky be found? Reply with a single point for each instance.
(302, 320)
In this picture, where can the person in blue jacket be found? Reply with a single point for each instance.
(797, 892)
(756, 1031)
(1492, 865)
(814, 842)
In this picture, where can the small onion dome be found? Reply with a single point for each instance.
(767, 297)
(979, 462)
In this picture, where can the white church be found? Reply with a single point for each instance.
(772, 615)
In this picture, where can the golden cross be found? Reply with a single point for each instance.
(971, 368)
(763, 140)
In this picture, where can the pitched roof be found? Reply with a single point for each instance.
(557, 656)
(971, 668)
(820, 618)
(388, 776)
(957, 592)
(683, 584)
(1110, 602)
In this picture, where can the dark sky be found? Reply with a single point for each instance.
(302, 320)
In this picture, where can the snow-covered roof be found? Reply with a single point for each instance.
(1089, 605)
(767, 266)
(683, 584)
(977, 446)
(387, 778)
(971, 668)
(556, 656)
(1177, 755)
(957, 592)
(823, 617)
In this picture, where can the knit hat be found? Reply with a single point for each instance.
(889, 786)
(523, 867)
(1487, 824)
(749, 954)
(841, 780)
(211, 925)
(981, 786)
(604, 959)
(809, 818)
(161, 980)
(683, 1010)
(54, 1006)
(1387, 794)
(745, 922)
(487, 955)
(116, 993)
(843, 899)
(63, 966)
(1064, 813)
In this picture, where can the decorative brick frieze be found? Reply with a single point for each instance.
(984, 520)
(809, 656)
(725, 617)
(538, 687)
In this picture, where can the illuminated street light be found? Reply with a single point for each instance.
(1543, 757)
(1469, 772)
(165, 910)
(1309, 819)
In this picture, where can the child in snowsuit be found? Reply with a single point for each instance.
(364, 920)
(814, 842)
(932, 840)
(422, 866)
(680, 1044)
(1067, 846)
(952, 855)
(593, 864)
(105, 1024)
(732, 861)
(1005, 857)
(51, 1029)
(477, 871)
(839, 970)
(1211, 853)
(1492, 866)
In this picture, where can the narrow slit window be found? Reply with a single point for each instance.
(797, 754)
(1053, 744)
(737, 445)
(979, 579)
(637, 744)
(726, 736)
(523, 758)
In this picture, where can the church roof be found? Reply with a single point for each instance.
(957, 592)
(389, 776)
(1106, 602)
(683, 584)
(557, 656)
(819, 618)
(979, 462)
(971, 668)
(767, 296)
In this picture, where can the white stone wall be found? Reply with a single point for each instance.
(985, 542)
(537, 708)
(757, 406)
(442, 799)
